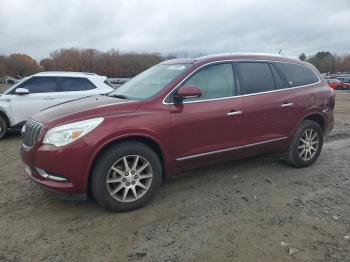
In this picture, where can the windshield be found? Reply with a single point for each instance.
(150, 82)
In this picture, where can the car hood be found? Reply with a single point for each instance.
(85, 108)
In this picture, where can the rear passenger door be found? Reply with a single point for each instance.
(75, 87)
(268, 106)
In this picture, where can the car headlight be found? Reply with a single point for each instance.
(63, 135)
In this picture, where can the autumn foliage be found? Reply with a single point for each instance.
(18, 65)
(112, 63)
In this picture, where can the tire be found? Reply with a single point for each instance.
(312, 149)
(3, 127)
(111, 178)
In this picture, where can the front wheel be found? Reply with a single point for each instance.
(3, 127)
(306, 145)
(126, 176)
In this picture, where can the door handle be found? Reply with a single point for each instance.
(287, 104)
(234, 113)
(49, 97)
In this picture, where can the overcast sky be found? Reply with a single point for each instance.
(37, 27)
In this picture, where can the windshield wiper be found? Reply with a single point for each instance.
(119, 96)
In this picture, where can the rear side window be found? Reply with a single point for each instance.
(298, 75)
(76, 84)
(40, 84)
(255, 77)
(215, 81)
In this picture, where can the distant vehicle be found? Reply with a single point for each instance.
(178, 115)
(8, 80)
(336, 84)
(46, 89)
(344, 79)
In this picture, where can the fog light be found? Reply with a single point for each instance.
(50, 175)
(27, 170)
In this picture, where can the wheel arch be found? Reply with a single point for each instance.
(313, 116)
(145, 139)
(318, 118)
(7, 119)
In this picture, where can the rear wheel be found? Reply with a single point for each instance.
(3, 127)
(126, 176)
(306, 145)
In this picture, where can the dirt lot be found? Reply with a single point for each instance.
(252, 210)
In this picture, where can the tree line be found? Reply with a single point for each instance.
(327, 62)
(114, 63)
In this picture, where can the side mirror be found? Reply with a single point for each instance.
(186, 92)
(22, 91)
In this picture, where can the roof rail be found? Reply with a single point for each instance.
(247, 54)
(64, 72)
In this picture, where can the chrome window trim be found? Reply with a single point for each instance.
(229, 149)
(238, 96)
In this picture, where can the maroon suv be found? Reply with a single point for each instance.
(178, 115)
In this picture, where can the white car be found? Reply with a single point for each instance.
(43, 90)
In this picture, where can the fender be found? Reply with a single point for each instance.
(117, 137)
(308, 114)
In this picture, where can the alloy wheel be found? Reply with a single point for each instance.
(308, 144)
(129, 178)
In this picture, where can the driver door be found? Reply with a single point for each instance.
(208, 129)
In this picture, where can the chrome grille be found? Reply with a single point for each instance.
(31, 133)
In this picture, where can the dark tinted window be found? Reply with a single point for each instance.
(214, 81)
(40, 84)
(298, 75)
(256, 77)
(280, 84)
(108, 83)
(76, 84)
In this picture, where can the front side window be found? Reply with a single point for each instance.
(255, 77)
(215, 81)
(40, 85)
(298, 75)
(76, 84)
(150, 82)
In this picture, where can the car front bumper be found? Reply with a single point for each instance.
(61, 170)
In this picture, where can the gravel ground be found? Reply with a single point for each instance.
(257, 209)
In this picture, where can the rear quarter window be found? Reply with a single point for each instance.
(298, 75)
